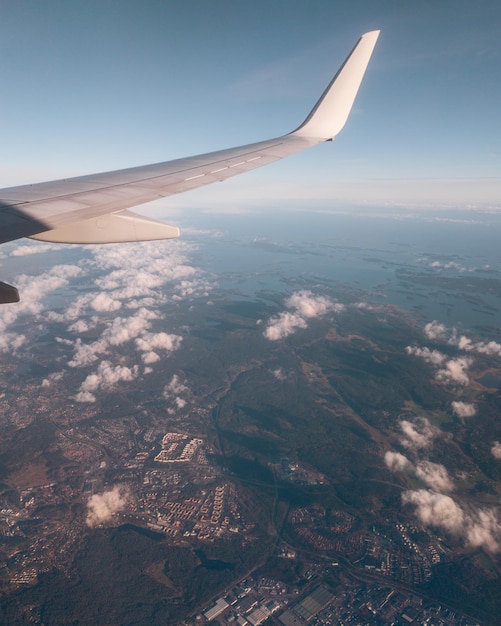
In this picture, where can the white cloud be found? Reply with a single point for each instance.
(106, 377)
(434, 475)
(102, 507)
(35, 248)
(434, 330)
(304, 305)
(308, 305)
(34, 290)
(463, 409)
(449, 265)
(478, 528)
(103, 302)
(430, 356)
(175, 386)
(436, 509)
(455, 371)
(496, 450)
(122, 330)
(158, 341)
(284, 325)
(490, 348)
(418, 434)
(173, 391)
(279, 374)
(397, 462)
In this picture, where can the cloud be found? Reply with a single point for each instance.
(122, 330)
(490, 348)
(102, 507)
(106, 377)
(448, 266)
(307, 305)
(172, 391)
(149, 342)
(304, 305)
(279, 374)
(496, 450)
(103, 302)
(463, 409)
(455, 371)
(283, 325)
(35, 248)
(479, 528)
(430, 356)
(434, 330)
(175, 386)
(418, 434)
(34, 290)
(397, 462)
(434, 475)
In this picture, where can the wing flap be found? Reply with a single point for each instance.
(112, 228)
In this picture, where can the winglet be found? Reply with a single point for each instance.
(330, 113)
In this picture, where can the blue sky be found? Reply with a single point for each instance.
(102, 84)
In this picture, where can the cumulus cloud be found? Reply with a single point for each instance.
(173, 391)
(103, 302)
(303, 305)
(106, 376)
(35, 248)
(122, 330)
(434, 330)
(430, 356)
(434, 475)
(397, 462)
(448, 266)
(149, 342)
(175, 386)
(279, 374)
(496, 450)
(283, 325)
(455, 371)
(308, 305)
(34, 290)
(463, 409)
(418, 434)
(479, 528)
(102, 507)
(489, 348)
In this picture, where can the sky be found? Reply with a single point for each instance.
(96, 85)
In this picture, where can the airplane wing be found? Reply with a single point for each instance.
(93, 208)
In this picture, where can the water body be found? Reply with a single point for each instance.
(444, 266)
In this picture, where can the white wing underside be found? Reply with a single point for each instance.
(92, 209)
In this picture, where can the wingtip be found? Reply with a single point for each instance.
(329, 115)
(371, 33)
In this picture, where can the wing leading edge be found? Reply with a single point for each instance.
(92, 209)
